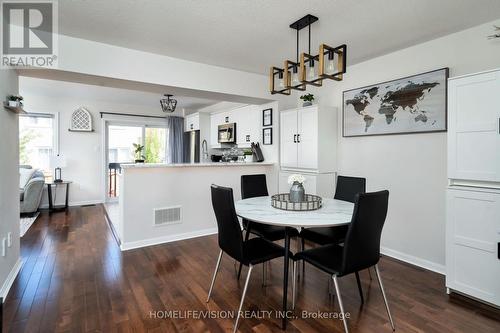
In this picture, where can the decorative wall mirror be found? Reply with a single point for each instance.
(81, 121)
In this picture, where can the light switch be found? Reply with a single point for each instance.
(4, 246)
(9, 239)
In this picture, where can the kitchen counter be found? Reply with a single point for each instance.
(190, 165)
(161, 203)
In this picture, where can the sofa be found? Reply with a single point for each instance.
(31, 183)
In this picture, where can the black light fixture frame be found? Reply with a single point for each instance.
(341, 51)
(299, 64)
(272, 74)
(168, 104)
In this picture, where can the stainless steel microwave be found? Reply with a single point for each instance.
(227, 133)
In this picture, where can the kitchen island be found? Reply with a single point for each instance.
(160, 203)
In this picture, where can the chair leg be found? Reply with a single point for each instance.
(379, 278)
(369, 273)
(341, 305)
(303, 249)
(359, 288)
(247, 235)
(294, 284)
(250, 267)
(215, 275)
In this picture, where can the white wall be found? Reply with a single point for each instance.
(413, 166)
(94, 58)
(9, 183)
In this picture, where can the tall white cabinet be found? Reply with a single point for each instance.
(308, 139)
(473, 197)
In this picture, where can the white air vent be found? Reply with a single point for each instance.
(167, 215)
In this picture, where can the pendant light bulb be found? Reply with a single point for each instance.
(311, 73)
(330, 66)
(281, 81)
(295, 76)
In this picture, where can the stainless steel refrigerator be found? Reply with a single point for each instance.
(192, 147)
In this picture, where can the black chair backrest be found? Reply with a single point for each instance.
(348, 187)
(230, 238)
(253, 186)
(362, 242)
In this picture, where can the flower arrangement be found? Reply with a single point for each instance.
(296, 178)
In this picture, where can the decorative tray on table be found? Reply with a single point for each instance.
(282, 201)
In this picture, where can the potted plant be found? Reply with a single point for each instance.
(297, 192)
(307, 99)
(15, 100)
(248, 155)
(139, 157)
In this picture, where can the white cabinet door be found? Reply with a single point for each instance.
(472, 237)
(474, 127)
(307, 157)
(288, 138)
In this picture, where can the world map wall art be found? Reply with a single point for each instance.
(415, 104)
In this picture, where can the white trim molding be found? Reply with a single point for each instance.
(423, 263)
(4, 291)
(167, 239)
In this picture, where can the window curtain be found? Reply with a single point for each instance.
(175, 143)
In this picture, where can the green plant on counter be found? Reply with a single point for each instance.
(138, 148)
(247, 152)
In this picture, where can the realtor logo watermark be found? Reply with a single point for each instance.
(29, 34)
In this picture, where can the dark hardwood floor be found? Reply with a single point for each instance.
(75, 279)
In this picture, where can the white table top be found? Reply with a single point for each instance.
(259, 209)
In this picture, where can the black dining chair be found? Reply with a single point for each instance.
(256, 186)
(346, 190)
(361, 247)
(250, 252)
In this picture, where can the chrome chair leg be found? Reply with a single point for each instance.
(250, 267)
(215, 275)
(294, 284)
(341, 305)
(379, 278)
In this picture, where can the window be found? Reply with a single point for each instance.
(155, 145)
(37, 139)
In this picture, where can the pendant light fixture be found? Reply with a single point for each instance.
(329, 63)
(168, 104)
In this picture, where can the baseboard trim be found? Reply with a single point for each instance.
(423, 263)
(4, 291)
(77, 203)
(167, 239)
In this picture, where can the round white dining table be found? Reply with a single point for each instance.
(332, 213)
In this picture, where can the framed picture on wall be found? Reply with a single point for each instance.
(267, 117)
(267, 136)
(414, 104)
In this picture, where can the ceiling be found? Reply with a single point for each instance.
(252, 35)
(86, 92)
